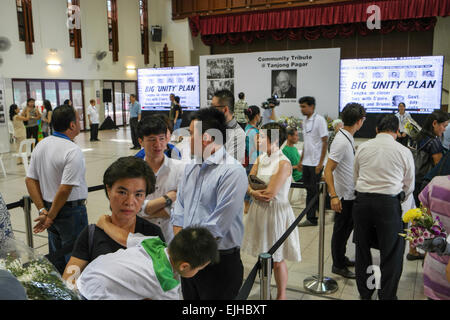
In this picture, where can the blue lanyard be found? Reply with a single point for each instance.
(61, 135)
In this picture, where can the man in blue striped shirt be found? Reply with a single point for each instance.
(211, 194)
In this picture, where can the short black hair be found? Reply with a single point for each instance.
(290, 131)
(211, 118)
(177, 99)
(152, 124)
(62, 116)
(166, 119)
(194, 245)
(66, 101)
(352, 113)
(241, 95)
(388, 123)
(226, 98)
(271, 128)
(30, 99)
(251, 112)
(129, 168)
(311, 101)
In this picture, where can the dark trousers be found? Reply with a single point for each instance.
(378, 217)
(343, 226)
(221, 281)
(32, 132)
(134, 134)
(94, 131)
(65, 229)
(311, 180)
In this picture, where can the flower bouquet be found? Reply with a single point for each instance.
(424, 228)
(292, 122)
(37, 275)
(329, 122)
(412, 128)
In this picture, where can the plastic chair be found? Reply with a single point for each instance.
(12, 137)
(1, 165)
(25, 152)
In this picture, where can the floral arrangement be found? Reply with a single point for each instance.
(329, 122)
(412, 128)
(37, 275)
(424, 228)
(292, 122)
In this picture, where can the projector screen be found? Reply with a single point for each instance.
(156, 84)
(381, 84)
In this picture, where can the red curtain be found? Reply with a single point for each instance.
(314, 33)
(313, 22)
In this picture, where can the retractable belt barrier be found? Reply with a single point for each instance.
(25, 203)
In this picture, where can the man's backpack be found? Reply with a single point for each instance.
(423, 161)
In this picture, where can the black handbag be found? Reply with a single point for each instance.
(256, 183)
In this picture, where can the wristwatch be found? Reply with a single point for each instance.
(168, 200)
(41, 210)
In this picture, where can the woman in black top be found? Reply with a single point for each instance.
(429, 141)
(127, 182)
(177, 113)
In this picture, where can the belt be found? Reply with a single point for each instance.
(71, 204)
(400, 196)
(229, 251)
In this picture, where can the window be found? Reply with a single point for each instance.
(166, 58)
(56, 91)
(25, 24)
(73, 11)
(143, 13)
(113, 34)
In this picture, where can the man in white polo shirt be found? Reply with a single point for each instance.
(152, 133)
(384, 177)
(315, 136)
(341, 187)
(92, 113)
(56, 184)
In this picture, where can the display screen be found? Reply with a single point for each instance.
(381, 84)
(156, 84)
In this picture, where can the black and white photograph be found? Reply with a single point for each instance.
(284, 84)
(215, 85)
(222, 68)
(2, 118)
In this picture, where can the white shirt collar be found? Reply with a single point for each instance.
(384, 136)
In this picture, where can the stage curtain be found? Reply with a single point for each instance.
(313, 22)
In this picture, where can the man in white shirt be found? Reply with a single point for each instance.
(57, 185)
(341, 187)
(93, 118)
(147, 269)
(384, 177)
(403, 118)
(223, 101)
(157, 207)
(315, 136)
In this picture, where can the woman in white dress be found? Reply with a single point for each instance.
(270, 215)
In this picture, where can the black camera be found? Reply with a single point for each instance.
(272, 102)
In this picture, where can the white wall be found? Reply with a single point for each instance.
(441, 46)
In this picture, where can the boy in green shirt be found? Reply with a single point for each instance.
(292, 152)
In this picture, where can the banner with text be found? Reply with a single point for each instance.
(287, 74)
(381, 84)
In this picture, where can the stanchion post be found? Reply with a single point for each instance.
(29, 228)
(320, 284)
(265, 275)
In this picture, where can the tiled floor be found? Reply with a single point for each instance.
(114, 144)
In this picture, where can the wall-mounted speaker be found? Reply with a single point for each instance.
(107, 95)
(156, 33)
